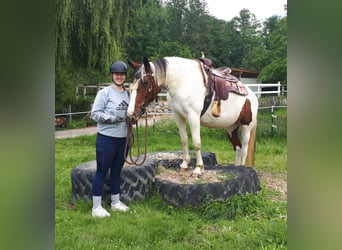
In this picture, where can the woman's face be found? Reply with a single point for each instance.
(118, 78)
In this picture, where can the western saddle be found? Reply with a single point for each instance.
(220, 82)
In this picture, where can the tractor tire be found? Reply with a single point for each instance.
(136, 181)
(194, 195)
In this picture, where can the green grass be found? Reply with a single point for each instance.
(242, 222)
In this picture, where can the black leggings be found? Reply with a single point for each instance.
(109, 155)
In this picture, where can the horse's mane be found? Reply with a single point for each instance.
(160, 66)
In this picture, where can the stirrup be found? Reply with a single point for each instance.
(216, 109)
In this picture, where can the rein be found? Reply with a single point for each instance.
(130, 142)
(208, 84)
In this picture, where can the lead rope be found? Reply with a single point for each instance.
(130, 142)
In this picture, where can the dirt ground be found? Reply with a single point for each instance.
(272, 182)
(275, 182)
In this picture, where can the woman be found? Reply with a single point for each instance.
(110, 111)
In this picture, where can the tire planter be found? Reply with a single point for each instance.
(194, 195)
(137, 182)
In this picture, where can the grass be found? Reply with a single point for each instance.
(242, 222)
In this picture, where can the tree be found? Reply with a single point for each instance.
(270, 58)
(89, 36)
(148, 30)
(244, 35)
(92, 34)
(176, 13)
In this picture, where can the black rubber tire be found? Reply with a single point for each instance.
(183, 195)
(136, 181)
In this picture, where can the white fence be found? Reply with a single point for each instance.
(257, 88)
(260, 89)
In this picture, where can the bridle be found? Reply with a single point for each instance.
(154, 88)
(130, 135)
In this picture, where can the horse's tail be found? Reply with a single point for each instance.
(251, 147)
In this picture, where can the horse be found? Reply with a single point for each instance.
(186, 83)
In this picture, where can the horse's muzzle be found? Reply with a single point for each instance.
(134, 117)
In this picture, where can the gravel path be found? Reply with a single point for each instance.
(60, 134)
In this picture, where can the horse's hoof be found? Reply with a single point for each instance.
(198, 172)
(183, 171)
(197, 175)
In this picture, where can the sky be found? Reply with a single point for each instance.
(262, 9)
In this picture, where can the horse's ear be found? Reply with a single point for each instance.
(146, 63)
(133, 64)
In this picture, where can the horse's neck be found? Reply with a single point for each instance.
(182, 74)
(162, 83)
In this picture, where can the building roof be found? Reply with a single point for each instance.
(246, 73)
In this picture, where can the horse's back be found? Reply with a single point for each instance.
(187, 90)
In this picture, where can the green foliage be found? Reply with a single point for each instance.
(77, 124)
(148, 31)
(272, 124)
(89, 36)
(244, 37)
(271, 57)
(92, 34)
(255, 207)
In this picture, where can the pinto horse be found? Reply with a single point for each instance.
(186, 83)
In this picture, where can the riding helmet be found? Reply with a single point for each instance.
(118, 67)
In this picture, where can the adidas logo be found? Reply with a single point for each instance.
(122, 106)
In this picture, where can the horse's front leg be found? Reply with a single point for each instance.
(180, 121)
(195, 126)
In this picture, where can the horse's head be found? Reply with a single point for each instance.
(144, 88)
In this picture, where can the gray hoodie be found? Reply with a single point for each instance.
(110, 103)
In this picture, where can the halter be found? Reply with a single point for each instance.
(130, 135)
(154, 88)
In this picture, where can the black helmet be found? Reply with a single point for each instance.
(118, 67)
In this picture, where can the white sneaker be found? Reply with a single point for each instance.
(99, 212)
(119, 206)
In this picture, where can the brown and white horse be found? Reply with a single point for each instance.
(185, 82)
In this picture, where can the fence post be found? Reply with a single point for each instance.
(70, 116)
(273, 125)
(279, 85)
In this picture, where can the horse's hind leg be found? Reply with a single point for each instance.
(180, 121)
(235, 140)
(245, 134)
